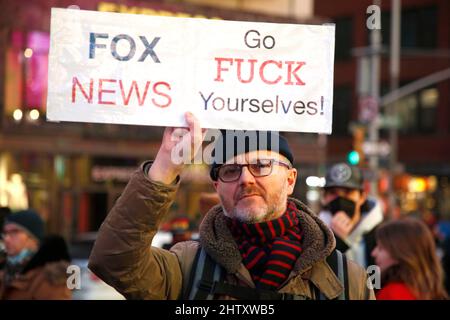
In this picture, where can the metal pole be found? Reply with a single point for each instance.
(394, 70)
(415, 86)
(375, 43)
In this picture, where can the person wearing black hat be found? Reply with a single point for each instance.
(35, 265)
(350, 213)
(258, 243)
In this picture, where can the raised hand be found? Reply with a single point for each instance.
(179, 147)
(342, 224)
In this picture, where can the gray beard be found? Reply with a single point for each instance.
(248, 215)
(261, 214)
(257, 215)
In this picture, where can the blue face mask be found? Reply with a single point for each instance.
(21, 257)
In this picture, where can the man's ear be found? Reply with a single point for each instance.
(291, 179)
(215, 184)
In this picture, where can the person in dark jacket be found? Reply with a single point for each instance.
(35, 267)
(350, 213)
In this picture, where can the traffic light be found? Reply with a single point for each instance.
(353, 157)
(356, 156)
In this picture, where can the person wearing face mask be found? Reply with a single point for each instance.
(259, 243)
(35, 267)
(350, 213)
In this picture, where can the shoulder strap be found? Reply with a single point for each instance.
(206, 280)
(188, 290)
(204, 270)
(338, 263)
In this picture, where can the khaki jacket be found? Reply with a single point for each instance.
(123, 258)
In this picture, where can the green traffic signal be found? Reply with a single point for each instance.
(353, 157)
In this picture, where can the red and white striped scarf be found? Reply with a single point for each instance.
(269, 249)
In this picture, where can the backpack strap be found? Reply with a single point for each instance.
(206, 281)
(204, 270)
(338, 263)
(187, 292)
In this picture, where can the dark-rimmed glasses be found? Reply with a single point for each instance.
(11, 233)
(258, 168)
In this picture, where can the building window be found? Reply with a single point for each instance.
(344, 38)
(342, 103)
(428, 101)
(417, 111)
(418, 28)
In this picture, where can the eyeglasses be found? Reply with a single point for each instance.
(260, 168)
(12, 233)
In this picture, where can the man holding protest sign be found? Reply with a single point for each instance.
(257, 244)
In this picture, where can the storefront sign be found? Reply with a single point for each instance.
(110, 173)
(145, 70)
(122, 8)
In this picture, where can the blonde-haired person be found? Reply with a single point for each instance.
(410, 268)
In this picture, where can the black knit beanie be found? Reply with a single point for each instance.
(29, 220)
(233, 142)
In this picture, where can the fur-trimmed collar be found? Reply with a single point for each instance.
(54, 273)
(216, 239)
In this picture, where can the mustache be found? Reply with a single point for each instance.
(249, 190)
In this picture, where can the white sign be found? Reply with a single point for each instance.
(380, 148)
(149, 70)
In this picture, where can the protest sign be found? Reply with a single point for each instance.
(143, 70)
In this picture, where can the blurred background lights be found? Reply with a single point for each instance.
(17, 114)
(34, 114)
(313, 195)
(28, 52)
(417, 185)
(313, 181)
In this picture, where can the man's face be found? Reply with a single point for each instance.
(256, 199)
(16, 239)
